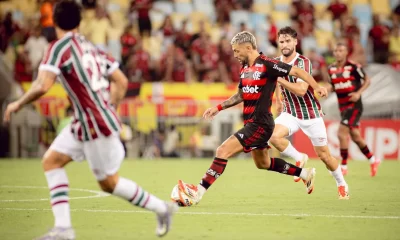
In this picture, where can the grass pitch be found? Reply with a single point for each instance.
(245, 203)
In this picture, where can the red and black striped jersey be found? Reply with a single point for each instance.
(346, 80)
(258, 83)
(83, 70)
(307, 106)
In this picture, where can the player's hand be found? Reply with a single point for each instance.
(354, 96)
(11, 108)
(322, 91)
(210, 113)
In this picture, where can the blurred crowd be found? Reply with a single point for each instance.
(171, 52)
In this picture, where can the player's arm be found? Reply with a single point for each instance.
(230, 102)
(39, 87)
(300, 73)
(354, 96)
(298, 88)
(119, 85)
(278, 102)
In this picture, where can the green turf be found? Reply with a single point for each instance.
(242, 189)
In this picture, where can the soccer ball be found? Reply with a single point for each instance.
(180, 197)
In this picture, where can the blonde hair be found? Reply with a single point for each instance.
(244, 37)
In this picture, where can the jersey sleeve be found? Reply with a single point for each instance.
(55, 56)
(111, 63)
(359, 72)
(306, 66)
(276, 68)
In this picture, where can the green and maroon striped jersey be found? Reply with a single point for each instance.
(306, 107)
(83, 71)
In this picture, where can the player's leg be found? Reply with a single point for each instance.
(105, 156)
(315, 129)
(227, 149)
(356, 137)
(262, 160)
(286, 125)
(61, 152)
(343, 136)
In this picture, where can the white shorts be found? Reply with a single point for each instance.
(313, 128)
(104, 154)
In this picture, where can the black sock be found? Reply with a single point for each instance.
(281, 166)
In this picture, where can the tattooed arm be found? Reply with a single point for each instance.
(230, 102)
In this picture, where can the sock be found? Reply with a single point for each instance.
(57, 181)
(368, 154)
(216, 169)
(338, 175)
(292, 152)
(281, 166)
(345, 154)
(132, 192)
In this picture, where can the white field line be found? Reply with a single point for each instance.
(97, 194)
(213, 213)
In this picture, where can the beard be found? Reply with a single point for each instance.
(288, 53)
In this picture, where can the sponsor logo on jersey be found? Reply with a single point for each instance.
(343, 85)
(248, 89)
(279, 68)
(258, 65)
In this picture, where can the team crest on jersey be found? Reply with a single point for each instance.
(256, 75)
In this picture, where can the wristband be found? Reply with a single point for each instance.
(219, 107)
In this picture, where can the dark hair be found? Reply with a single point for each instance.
(342, 44)
(67, 14)
(287, 31)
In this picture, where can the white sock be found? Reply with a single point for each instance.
(132, 192)
(372, 159)
(57, 181)
(200, 191)
(338, 175)
(290, 151)
(303, 174)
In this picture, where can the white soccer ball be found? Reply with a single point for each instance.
(180, 197)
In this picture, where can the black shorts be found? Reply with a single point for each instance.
(144, 25)
(351, 117)
(255, 136)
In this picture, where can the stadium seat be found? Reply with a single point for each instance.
(281, 18)
(362, 12)
(320, 10)
(281, 2)
(163, 6)
(380, 7)
(157, 18)
(207, 7)
(122, 3)
(239, 16)
(177, 19)
(262, 1)
(324, 25)
(282, 7)
(256, 19)
(185, 8)
(308, 43)
(325, 2)
(183, 1)
(356, 2)
(323, 38)
(264, 8)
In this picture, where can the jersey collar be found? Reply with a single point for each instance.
(291, 62)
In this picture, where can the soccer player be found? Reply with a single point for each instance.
(349, 81)
(258, 78)
(301, 110)
(93, 134)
